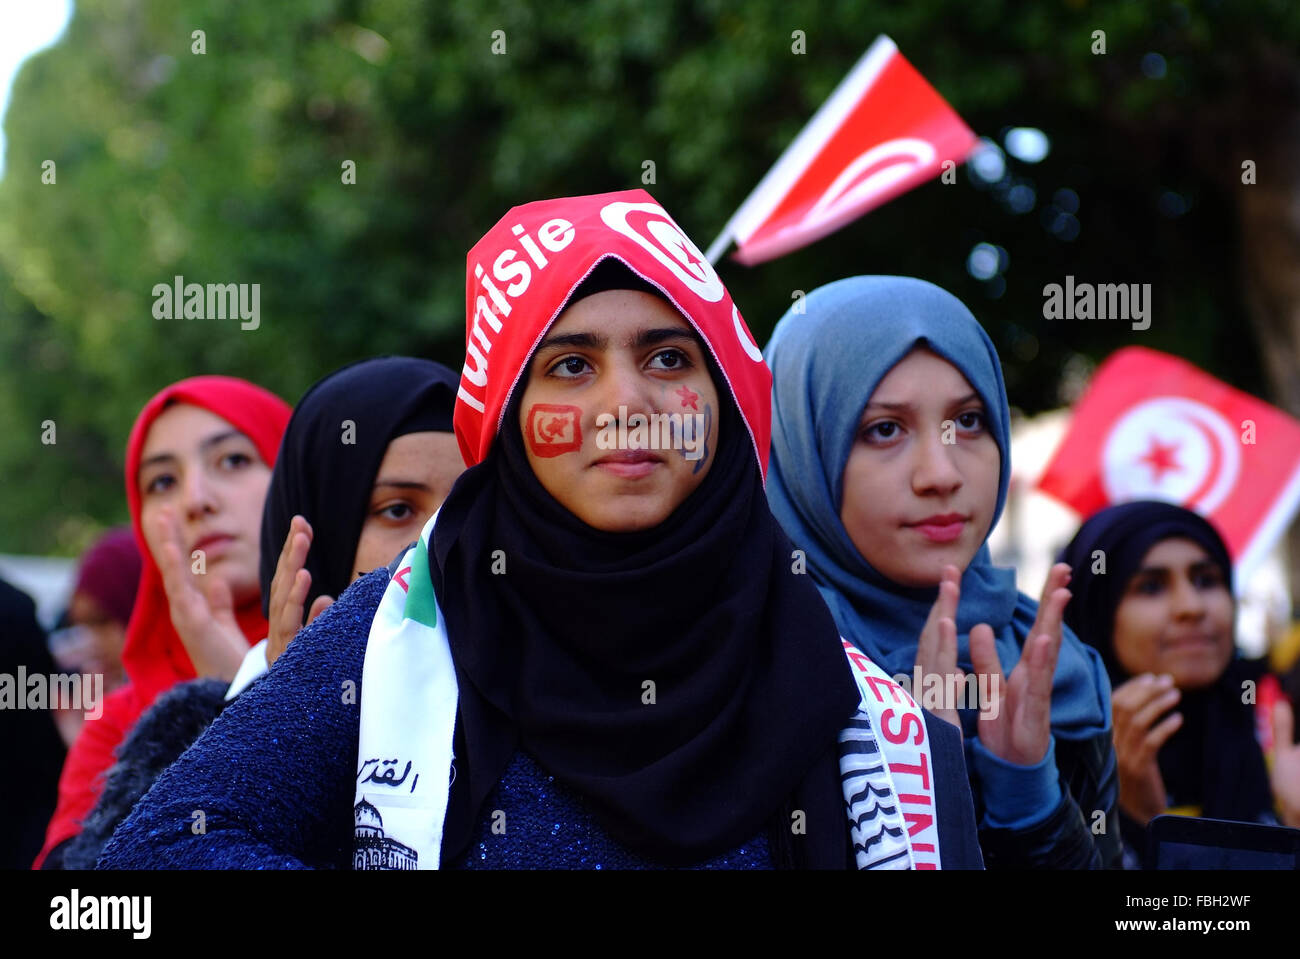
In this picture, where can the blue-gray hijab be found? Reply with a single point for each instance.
(827, 356)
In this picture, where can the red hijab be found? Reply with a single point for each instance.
(522, 274)
(153, 656)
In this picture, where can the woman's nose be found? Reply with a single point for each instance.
(197, 494)
(933, 467)
(626, 391)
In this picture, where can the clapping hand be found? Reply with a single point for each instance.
(289, 589)
(201, 605)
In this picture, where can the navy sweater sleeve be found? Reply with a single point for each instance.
(1083, 831)
(273, 776)
(958, 835)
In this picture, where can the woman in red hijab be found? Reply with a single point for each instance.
(197, 467)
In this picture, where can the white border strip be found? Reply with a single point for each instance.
(774, 186)
(1274, 524)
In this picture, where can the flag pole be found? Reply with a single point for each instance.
(719, 246)
(805, 146)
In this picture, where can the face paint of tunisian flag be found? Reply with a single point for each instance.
(520, 276)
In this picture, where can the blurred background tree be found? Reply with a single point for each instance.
(227, 167)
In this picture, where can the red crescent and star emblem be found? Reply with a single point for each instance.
(1161, 458)
(1171, 448)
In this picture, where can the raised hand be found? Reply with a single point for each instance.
(1286, 764)
(289, 589)
(201, 606)
(1016, 725)
(1135, 707)
(936, 651)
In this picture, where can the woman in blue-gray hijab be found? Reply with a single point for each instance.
(890, 464)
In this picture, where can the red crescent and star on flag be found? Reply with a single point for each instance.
(1161, 458)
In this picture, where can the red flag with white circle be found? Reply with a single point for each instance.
(1152, 426)
(882, 132)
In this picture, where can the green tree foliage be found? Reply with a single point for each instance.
(227, 166)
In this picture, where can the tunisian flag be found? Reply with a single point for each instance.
(1152, 426)
(883, 131)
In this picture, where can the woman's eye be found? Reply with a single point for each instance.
(971, 420)
(397, 512)
(881, 432)
(1207, 579)
(569, 366)
(235, 461)
(159, 484)
(671, 360)
(1148, 587)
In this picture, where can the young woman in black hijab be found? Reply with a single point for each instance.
(1152, 589)
(367, 457)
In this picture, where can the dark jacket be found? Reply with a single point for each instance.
(167, 729)
(274, 775)
(31, 750)
(1083, 832)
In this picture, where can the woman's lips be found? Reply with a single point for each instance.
(630, 464)
(941, 529)
(1191, 641)
(215, 542)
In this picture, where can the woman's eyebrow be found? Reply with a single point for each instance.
(401, 484)
(590, 341)
(218, 438)
(893, 407)
(158, 458)
(905, 407)
(653, 337)
(204, 446)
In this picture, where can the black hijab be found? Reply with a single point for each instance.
(1213, 760)
(331, 451)
(751, 687)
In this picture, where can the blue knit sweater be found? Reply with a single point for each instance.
(545, 825)
(270, 784)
